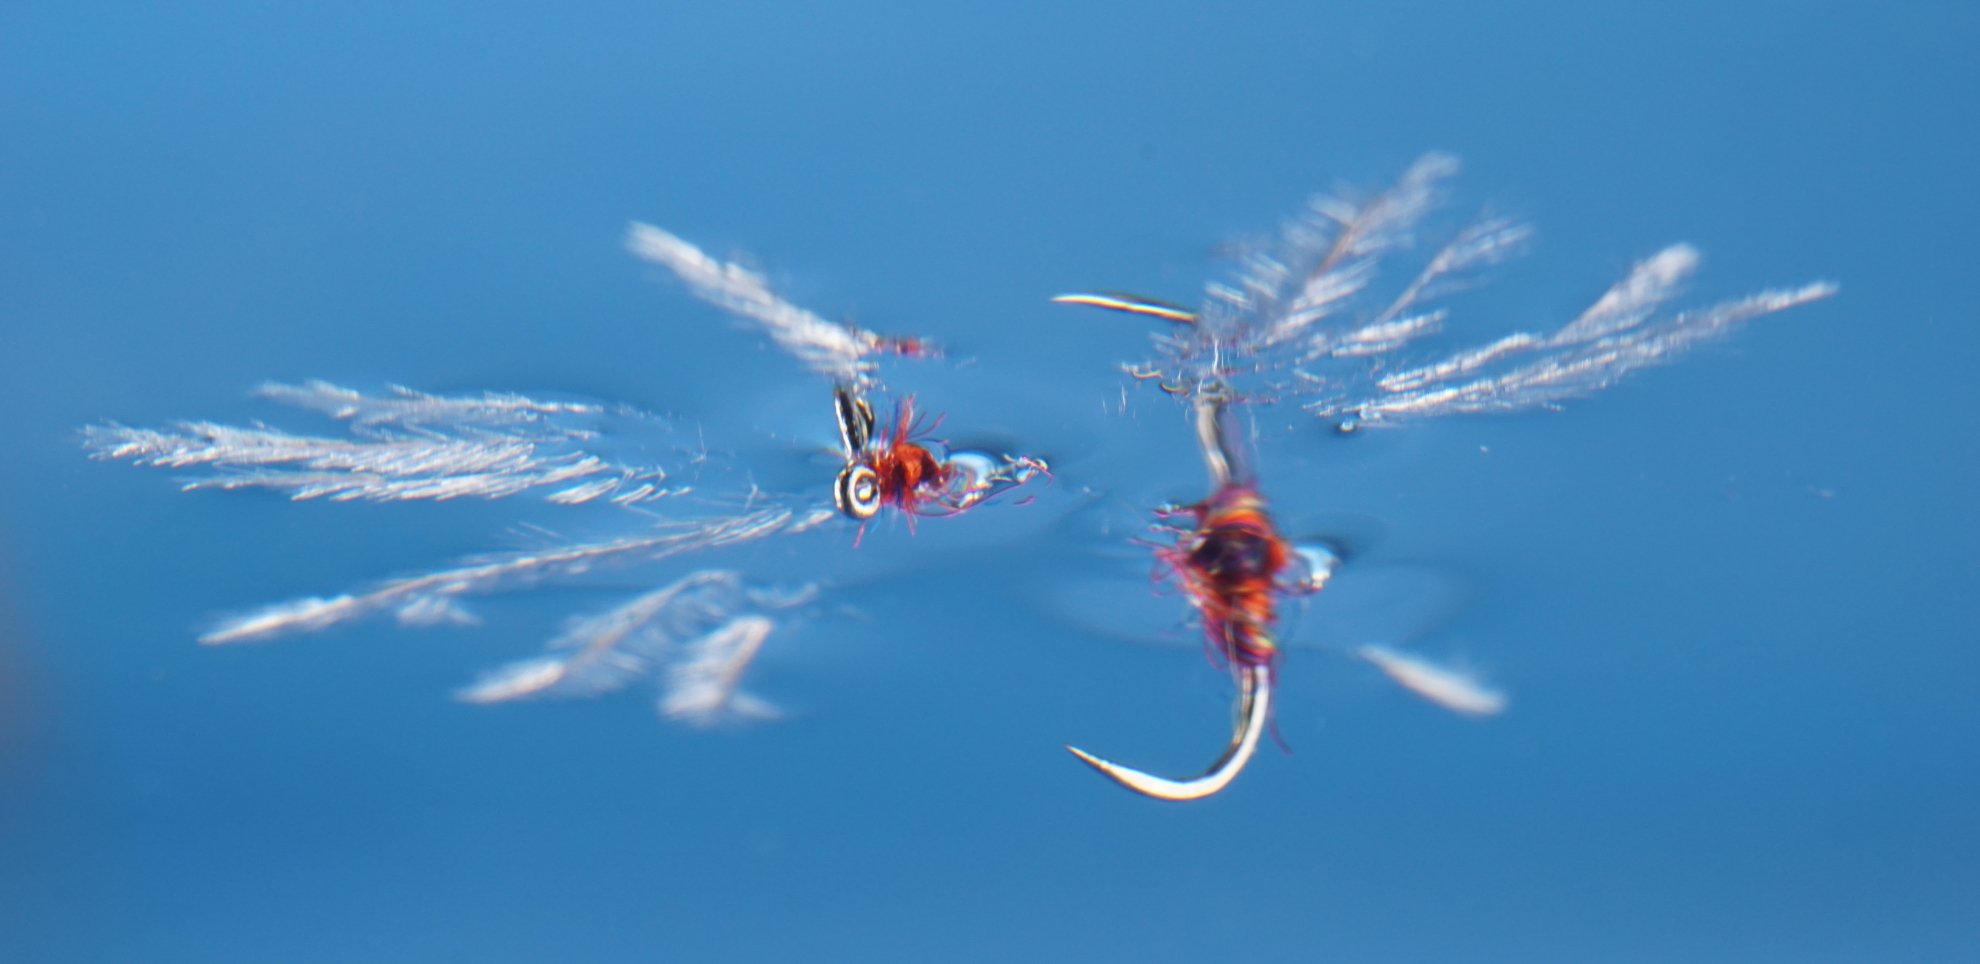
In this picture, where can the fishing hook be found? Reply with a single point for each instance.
(1252, 711)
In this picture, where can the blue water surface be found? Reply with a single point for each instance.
(1731, 599)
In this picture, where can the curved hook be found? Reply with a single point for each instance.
(1254, 708)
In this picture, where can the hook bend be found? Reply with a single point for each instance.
(1253, 711)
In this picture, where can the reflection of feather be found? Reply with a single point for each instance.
(1446, 686)
(703, 686)
(1609, 340)
(839, 352)
(1301, 304)
(408, 409)
(420, 595)
(703, 630)
(696, 633)
(1349, 241)
(699, 634)
(409, 446)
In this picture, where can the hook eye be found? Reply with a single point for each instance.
(857, 491)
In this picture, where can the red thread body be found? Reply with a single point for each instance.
(1229, 564)
(910, 474)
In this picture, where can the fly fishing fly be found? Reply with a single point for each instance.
(1297, 324)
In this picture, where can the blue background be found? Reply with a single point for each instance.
(1731, 599)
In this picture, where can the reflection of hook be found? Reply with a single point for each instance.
(855, 421)
(1220, 437)
(1254, 707)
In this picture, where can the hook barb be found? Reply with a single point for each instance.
(1254, 709)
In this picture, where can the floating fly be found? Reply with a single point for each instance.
(1298, 323)
(697, 635)
(882, 468)
(1234, 566)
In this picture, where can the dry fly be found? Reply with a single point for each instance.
(1298, 323)
(696, 635)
